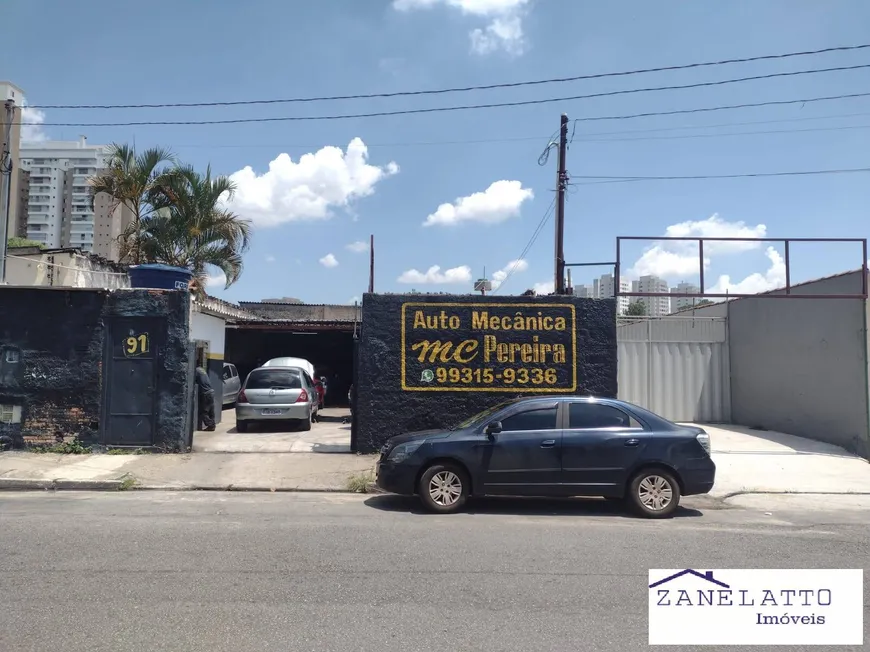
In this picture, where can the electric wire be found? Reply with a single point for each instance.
(629, 179)
(529, 245)
(493, 105)
(462, 89)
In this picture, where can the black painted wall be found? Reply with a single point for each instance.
(393, 397)
(52, 352)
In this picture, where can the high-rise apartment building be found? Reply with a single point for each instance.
(604, 287)
(59, 204)
(682, 302)
(9, 91)
(584, 291)
(656, 306)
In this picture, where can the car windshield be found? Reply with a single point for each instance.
(480, 416)
(275, 379)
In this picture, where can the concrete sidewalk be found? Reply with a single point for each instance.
(748, 462)
(220, 471)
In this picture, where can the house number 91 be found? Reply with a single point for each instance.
(136, 345)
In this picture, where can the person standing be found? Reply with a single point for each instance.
(206, 401)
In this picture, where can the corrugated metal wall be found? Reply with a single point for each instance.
(676, 366)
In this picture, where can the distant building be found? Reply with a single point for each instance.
(59, 212)
(683, 302)
(584, 291)
(656, 306)
(604, 287)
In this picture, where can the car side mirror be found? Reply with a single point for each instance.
(493, 428)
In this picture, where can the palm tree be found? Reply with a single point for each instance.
(133, 180)
(190, 226)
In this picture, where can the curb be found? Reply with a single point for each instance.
(761, 492)
(22, 484)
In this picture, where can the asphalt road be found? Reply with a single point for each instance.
(260, 572)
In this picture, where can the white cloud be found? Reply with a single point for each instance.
(547, 287)
(504, 31)
(434, 275)
(329, 261)
(773, 278)
(677, 258)
(513, 267)
(31, 125)
(217, 280)
(357, 247)
(270, 258)
(310, 188)
(501, 201)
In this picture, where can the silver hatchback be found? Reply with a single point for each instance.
(277, 394)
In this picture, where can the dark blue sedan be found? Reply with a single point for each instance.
(554, 446)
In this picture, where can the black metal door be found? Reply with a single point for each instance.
(130, 405)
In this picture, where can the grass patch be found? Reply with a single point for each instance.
(73, 447)
(127, 451)
(127, 483)
(359, 482)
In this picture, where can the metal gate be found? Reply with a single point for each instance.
(676, 366)
(133, 349)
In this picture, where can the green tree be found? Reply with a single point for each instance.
(135, 181)
(703, 302)
(636, 309)
(191, 227)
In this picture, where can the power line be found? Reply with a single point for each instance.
(584, 139)
(494, 105)
(629, 179)
(458, 89)
(529, 245)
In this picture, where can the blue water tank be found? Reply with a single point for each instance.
(160, 277)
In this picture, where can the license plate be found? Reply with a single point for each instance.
(271, 412)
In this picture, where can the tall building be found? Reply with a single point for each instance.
(604, 287)
(59, 205)
(584, 291)
(110, 221)
(655, 306)
(9, 91)
(682, 302)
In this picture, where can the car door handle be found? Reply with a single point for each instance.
(548, 443)
(632, 442)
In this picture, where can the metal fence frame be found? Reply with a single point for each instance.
(767, 295)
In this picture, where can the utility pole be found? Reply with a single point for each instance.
(371, 264)
(6, 170)
(561, 183)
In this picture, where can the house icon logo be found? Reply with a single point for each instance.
(705, 575)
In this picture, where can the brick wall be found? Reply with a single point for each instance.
(52, 351)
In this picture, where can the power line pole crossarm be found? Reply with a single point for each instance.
(561, 184)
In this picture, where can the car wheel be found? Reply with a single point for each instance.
(241, 426)
(305, 424)
(444, 488)
(654, 493)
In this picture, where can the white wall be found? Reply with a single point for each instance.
(64, 269)
(209, 329)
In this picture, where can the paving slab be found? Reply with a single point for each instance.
(750, 461)
(330, 434)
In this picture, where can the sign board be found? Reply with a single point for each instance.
(489, 347)
(136, 344)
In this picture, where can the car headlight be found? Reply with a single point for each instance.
(403, 451)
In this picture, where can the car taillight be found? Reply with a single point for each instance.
(704, 439)
(303, 397)
(242, 398)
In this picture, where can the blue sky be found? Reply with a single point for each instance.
(386, 176)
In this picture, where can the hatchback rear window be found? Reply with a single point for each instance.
(275, 378)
